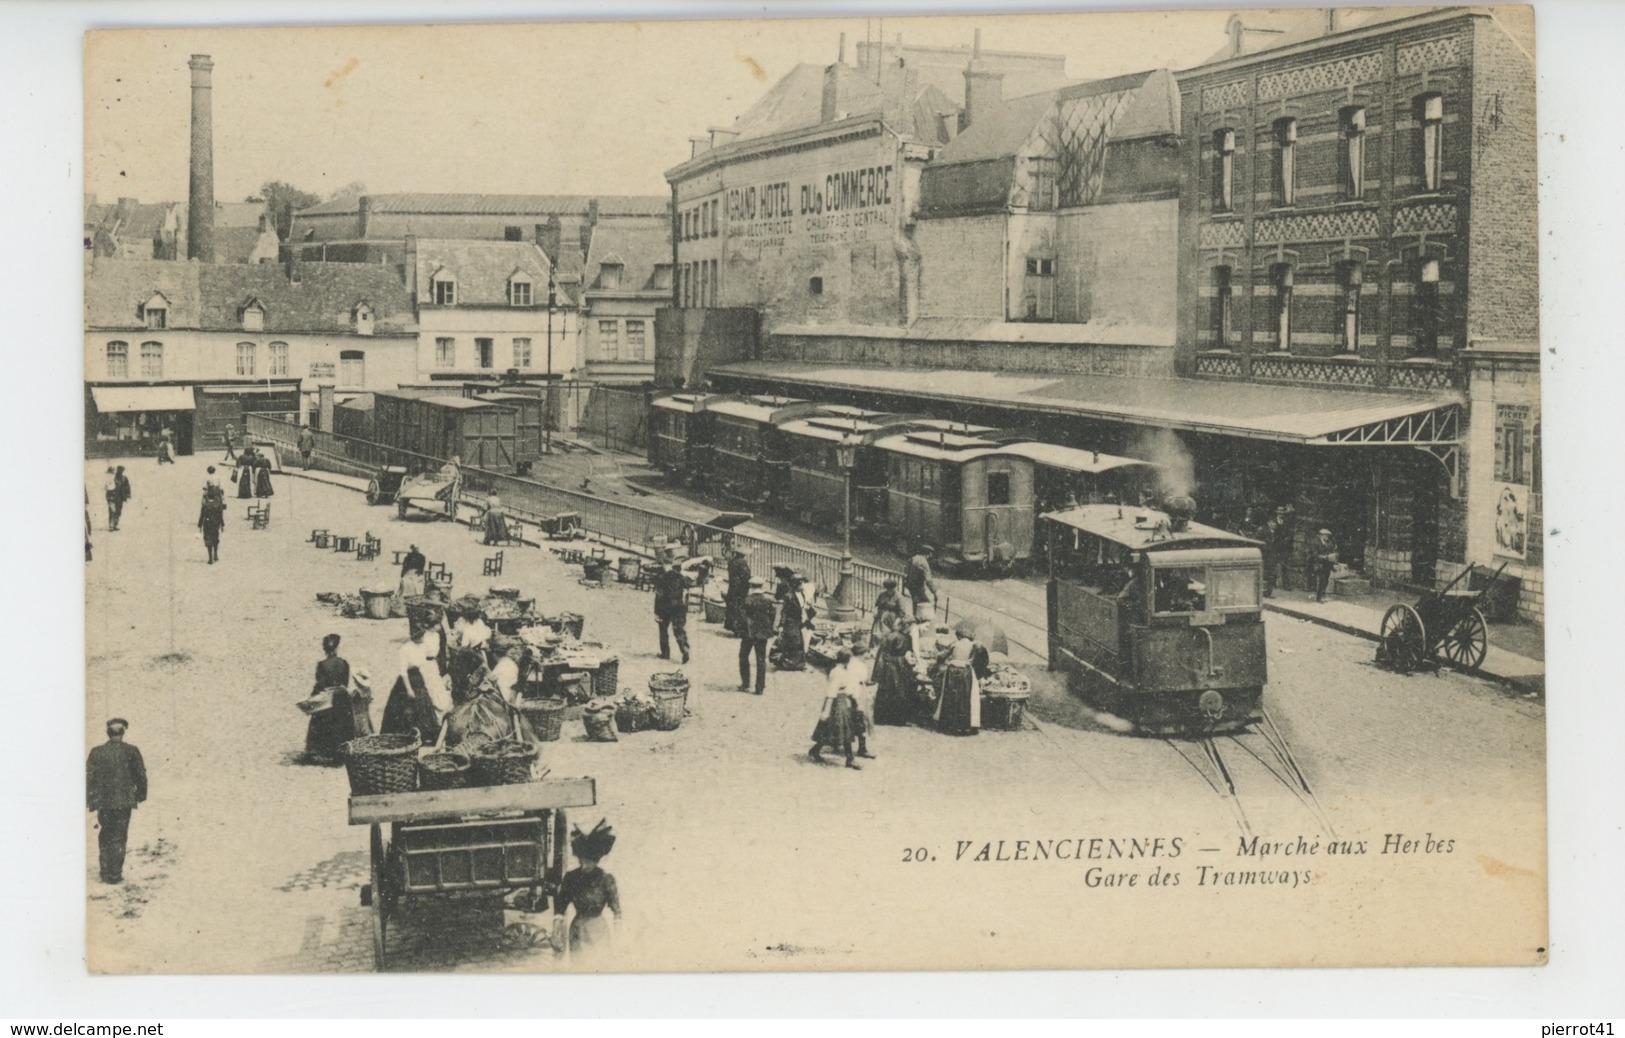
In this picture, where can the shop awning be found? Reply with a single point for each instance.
(116, 399)
(1306, 415)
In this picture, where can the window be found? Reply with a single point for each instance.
(352, 368)
(445, 291)
(253, 318)
(662, 277)
(1349, 278)
(1286, 144)
(609, 275)
(714, 285)
(245, 359)
(279, 358)
(157, 317)
(521, 353)
(1511, 434)
(513, 234)
(118, 360)
(1224, 169)
(363, 319)
(1222, 301)
(485, 349)
(1353, 127)
(634, 341)
(1043, 188)
(815, 286)
(1232, 588)
(1041, 268)
(1430, 113)
(998, 488)
(152, 360)
(715, 205)
(1038, 295)
(1425, 309)
(1281, 275)
(1181, 589)
(445, 353)
(519, 292)
(609, 339)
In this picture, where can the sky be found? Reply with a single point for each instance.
(572, 108)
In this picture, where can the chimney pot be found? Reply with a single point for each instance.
(840, 53)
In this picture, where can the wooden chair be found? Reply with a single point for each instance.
(493, 566)
(259, 516)
(400, 556)
(369, 549)
(345, 544)
(315, 535)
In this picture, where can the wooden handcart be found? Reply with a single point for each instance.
(1443, 627)
(384, 485)
(481, 840)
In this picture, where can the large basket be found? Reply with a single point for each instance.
(605, 680)
(600, 723)
(668, 681)
(715, 612)
(632, 715)
(503, 763)
(1003, 711)
(377, 601)
(546, 717)
(381, 764)
(444, 771)
(424, 611)
(669, 706)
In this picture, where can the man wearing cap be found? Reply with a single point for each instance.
(1278, 551)
(115, 783)
(922, 590)
(671, 609)
(738, 590)
(756, 630)
(1323, 559)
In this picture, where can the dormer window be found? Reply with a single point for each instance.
(661, 277)
(519, 293)
(609, 274)
(253, 316)
(155, 311)
(362, 319)
(443, 289)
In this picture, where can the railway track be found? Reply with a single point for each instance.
(1262, 750)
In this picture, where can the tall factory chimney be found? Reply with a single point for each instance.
(200, 196)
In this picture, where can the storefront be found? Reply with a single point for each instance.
(128, 421)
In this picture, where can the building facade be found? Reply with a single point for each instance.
(626, 279)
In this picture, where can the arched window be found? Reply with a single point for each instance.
(118, 360)
(1224, 169)
(352, 368)
(1425, 322)
(152, 360)
(1350, 277)
(1281, 276)
(1353, 132)
(245, 359)
(1286, 149)
(1430, 122)
(1223, 298)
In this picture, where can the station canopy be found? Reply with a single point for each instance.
(122, 399)
(1307, 415)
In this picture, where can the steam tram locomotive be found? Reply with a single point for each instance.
(1157, 619)
(971, 491)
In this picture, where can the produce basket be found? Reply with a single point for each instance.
(593, 569)
(632, 715)
(377, 601)
(381, 764)
(605, 680)
(669, 681)
(503, 763)
(572, 624)
(599, 720)
(444, 771)
(424, 611)
(669, 704)
(546, 717)
(1003, 711)
(715, 611)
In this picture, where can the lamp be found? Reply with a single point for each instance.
(547, 404)
(843, 608)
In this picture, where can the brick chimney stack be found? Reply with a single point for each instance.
(200, 187)
(983, 89)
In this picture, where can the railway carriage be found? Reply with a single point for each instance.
(681, 435)
(965, 495)
(1157, 619)
(817, 483)
(750, 456)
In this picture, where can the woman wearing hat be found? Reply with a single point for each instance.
(795, 614)
(590, 890)
(887, 604)
(330, 729)
(959, 707)
(893, 673)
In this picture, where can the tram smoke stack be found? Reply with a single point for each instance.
(1180, 509)
(1176, 469)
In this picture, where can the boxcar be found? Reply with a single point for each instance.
(530, 439)
(1156, 619)
(967, 497)
(681, 434)
(750, 463)
(484, 435)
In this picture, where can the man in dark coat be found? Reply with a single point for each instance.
(1278, 537)
(211, 520)
(115, 783)
(307, 445)
(671, 609)
(738, 590)
(1322, 561)
(757, 621)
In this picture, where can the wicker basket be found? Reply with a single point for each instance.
(631, 716)
(669, 706)
(503, 763)
(546, 717)
(606, 679)
(668, 681)
(423, 611)
(381, 764)
(715, 611)
(444, 771)
(599, 722)
(1003, 711)
(572, 624)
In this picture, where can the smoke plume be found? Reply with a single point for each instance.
(1176, 473)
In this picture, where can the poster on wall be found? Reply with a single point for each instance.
(1511, 520)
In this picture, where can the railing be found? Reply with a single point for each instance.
(623, 525)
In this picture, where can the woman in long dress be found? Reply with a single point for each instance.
(790, 650)
(496, 525)
(245, 473)
(329, 730)
(590, 890)
(959, 707)
(420, 700)
(893, 675)
(262, 476)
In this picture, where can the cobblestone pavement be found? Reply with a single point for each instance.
(736, 851)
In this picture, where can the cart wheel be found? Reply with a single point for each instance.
(1466, 644)
(375, 493)
(380, 897)
(1402, 639)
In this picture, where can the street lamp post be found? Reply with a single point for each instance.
(844, 607)
(547, 403)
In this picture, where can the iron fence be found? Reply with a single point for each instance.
(622, 525)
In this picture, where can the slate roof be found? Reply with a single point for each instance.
(1266, 30)
(998, 133)
(639, 245)
(497, 205)
(209, 296)
(481, 269)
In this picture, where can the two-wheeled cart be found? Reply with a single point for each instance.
(488, 840)
(1443, 627)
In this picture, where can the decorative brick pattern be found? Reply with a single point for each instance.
(1329, 75)
(1329, 226)
(1225, 96)
(1218, 364)
(1444, 52)
(1230, 234)
(1305, 369)
(1420, 376)
(1431, 218)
